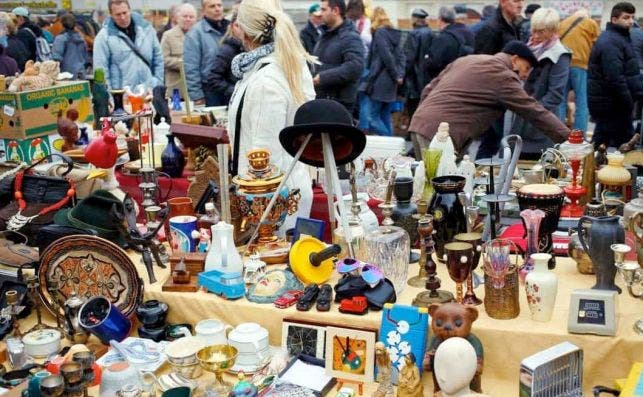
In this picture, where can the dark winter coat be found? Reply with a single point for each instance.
(417, 48)
(446, 48)
(341, 53)
(636, 34)
(18, 51)
(221, 80)
(466, 33)
(28, 39)
(386, 64)
(8, 65)
(546, 84)
(309, 37)
(494, 34)
(614, 81)
(71, 51)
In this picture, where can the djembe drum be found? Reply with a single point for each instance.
(548, 198)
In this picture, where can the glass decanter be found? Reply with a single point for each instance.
(389, 246)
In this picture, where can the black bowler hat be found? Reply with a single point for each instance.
(323, 116)
(419, 13)
(520, 49)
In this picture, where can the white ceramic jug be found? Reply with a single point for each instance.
(213, 332)
(223, 254)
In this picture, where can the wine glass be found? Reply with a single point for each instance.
(218, 359)
(458, 256)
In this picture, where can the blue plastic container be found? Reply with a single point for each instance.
(101, 318)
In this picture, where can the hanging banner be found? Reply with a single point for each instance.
(32, 6)
(568, 7)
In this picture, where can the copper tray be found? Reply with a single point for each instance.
(89, 266)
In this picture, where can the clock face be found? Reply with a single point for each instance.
(302, 340)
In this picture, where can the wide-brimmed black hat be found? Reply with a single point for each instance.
(95, 213)
(323, 116)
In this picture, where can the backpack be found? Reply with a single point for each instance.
(43, 48)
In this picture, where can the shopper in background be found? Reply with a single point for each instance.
(222, 80)
(525, 24)
(450, 44)
(172, 46)
(356, 12)
(127, 49)
(274, 81)
(311, 32)
(70, 49)
(546, 83)
(487, 12)
(8, 65)
(578, 32)
(614, 79)
(15, 48)
(172, 20)
(200, 47)
(386, 72)
(27, 30)
(340, 52)
(417, 49)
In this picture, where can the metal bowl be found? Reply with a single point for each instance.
(72, 372)
(52, 386)
(217, 358)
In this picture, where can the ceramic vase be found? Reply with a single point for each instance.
(447, 210)
(172, 158)
(119, 111)
(597, 236)
(542, 286)
(102, 151)
(404, 209)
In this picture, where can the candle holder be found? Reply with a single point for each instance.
(11, 297)
(493, 207)
(148, 186)
(32, 290)
(422, 206)
(574, 149)
(632, 274)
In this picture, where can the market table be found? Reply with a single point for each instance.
(506, 342)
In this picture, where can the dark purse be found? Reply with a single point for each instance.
(42, 197)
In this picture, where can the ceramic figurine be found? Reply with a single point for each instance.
(410, 381)
(442, 141)
(203, 235)
(243, 388)
(541, 286)
(384, 369)
(467, 169)
(455, 367)
(447, 321)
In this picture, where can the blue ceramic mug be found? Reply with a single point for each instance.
(181, 228)
(34, 383)
(100, 317)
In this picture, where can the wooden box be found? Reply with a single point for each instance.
(194, 261)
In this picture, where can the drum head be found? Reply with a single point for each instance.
(540, 189)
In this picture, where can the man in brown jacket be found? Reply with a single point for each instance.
(474, 91)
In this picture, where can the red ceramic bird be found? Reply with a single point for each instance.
(102, 151)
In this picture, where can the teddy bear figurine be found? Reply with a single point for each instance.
(35, 76)
(449, 320)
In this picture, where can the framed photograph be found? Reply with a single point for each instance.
(350, 354)
(303, 338)
(309, 227)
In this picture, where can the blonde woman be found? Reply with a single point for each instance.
(547, 80)
(386, 72)
(274, 82)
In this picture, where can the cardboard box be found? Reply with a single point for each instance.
(30, 114)
(31, 149)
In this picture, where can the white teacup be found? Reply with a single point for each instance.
(116, 376)
(213, 332)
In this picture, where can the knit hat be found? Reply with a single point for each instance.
(520, 49)
(20, 12)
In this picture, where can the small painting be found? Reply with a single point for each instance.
(350, 354)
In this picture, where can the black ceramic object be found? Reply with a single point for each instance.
(155, 334)
(152, 313)
(119, 111)
(404, 210)
(596, 235)
(447, 210)
(172, 331)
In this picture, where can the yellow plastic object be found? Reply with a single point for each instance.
(634, 385)
(301, 265)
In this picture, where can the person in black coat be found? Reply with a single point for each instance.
(221, 79)
(416, 50)
(27, 31)
(386, 72)
(614, 81)
(309, 35)
(341, 53)
(449, 45)
(8, 65)
(14, 48)
(500, 29)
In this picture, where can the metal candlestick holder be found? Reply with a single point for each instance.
(151, 216)
(493, 206)
(432, 282)
(54, 288)
(148, 186)
(632, 274)
(420, 280)
(32, 290)
(11, 297)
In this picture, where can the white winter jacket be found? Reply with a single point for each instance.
(268, 108)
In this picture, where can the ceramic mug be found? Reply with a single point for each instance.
(213, 331)
(34, 382)
(115, 376)
(182, 391)
(251, 341)
(181, 228)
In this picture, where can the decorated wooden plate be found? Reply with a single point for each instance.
(88, 266)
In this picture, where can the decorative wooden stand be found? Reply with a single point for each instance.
(360, 385)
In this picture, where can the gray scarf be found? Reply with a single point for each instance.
(246, 60)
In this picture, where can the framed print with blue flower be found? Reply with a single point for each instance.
(403, 330)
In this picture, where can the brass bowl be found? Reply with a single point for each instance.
(209, 362)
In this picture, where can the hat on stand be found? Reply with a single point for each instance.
(323, 116)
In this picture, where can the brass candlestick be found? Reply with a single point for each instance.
(32, 290)
(423, 222)
(432, 283)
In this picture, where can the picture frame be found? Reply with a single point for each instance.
(350, 354)
(310, 227)
(300, 337)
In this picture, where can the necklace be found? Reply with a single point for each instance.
(18, 221)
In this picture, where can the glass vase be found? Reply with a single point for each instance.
(431, 159)
(531, 219)
(172, 159)
(389, 248)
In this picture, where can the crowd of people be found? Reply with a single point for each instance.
(526, 61)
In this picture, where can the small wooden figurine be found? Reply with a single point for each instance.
(449, 320)
(410, 381)
(384, 370)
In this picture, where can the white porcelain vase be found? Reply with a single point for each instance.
(541, 286)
